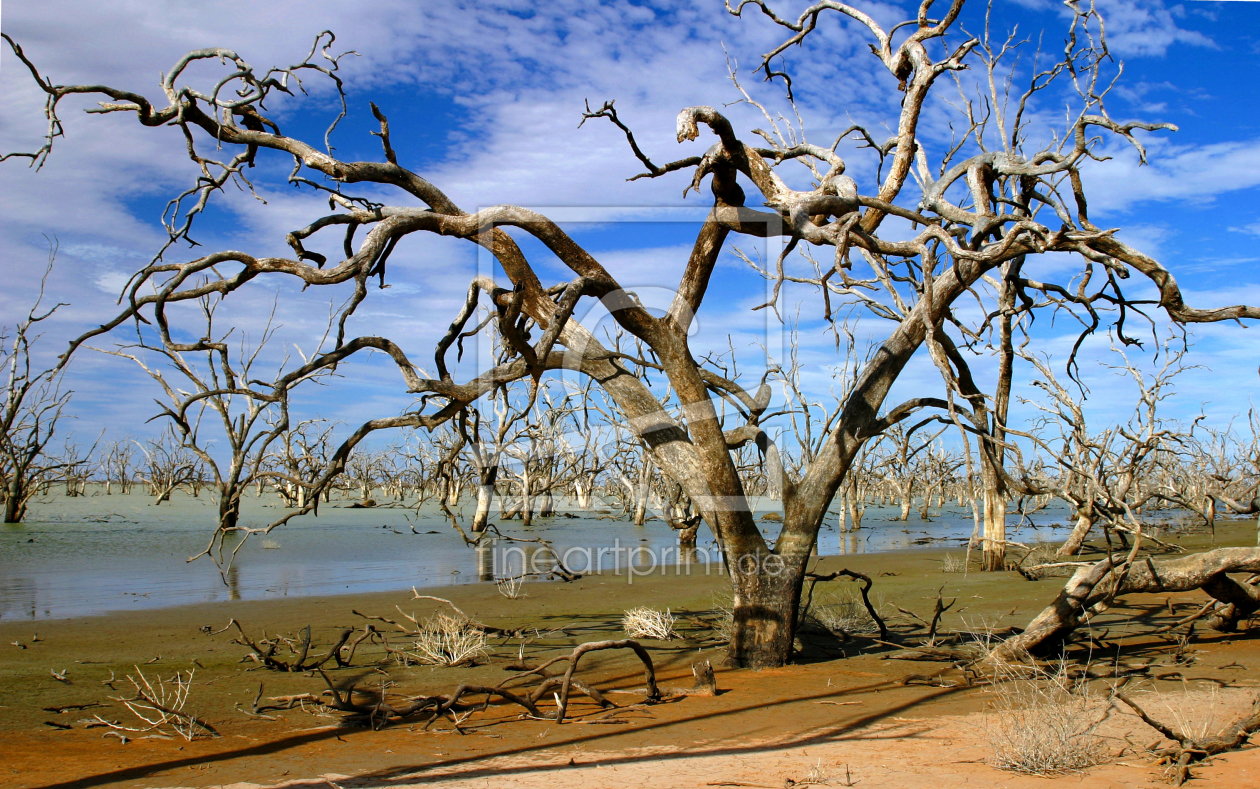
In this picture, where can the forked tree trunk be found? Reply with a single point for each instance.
(452, 492)
(229, 511)
(687, 538)
(857, 510)
(582, 494)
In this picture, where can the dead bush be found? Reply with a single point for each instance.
(649, 623)
(445, 640)
(1043, 722)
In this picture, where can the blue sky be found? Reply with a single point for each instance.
(485, 101)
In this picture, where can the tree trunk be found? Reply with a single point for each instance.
(687, 539)
(1084, 522)
(14, 502)
(527, 499)
(481, 516)
(994, 531)
(486, 481)
(765, 609)
(976, 520)
(229, 511)
(857, 510)
(640, 508)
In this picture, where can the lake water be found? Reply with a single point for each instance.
(99, 553)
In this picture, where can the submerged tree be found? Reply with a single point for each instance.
(34, 404)
(220, 417)
(939, 223)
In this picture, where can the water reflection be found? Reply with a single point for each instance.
(233, 580)
(485, 562)
(853, 542)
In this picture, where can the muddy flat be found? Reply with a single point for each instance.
(846, 714)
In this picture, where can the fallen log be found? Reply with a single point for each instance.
(1091, 590)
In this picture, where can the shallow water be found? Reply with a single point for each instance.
(99, 553)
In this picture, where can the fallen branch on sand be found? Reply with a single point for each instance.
(376, 711)
(1194, 749)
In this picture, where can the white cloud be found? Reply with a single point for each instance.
(518, 73)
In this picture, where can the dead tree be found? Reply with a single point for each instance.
(1001, 195)
(901, 464)
(168, 465)
(118, 465)
(34, 405)
(296, 460)
(250, 415)
(486, 455)
(1101, 474)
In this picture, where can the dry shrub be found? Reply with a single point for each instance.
(842, 610)
(1043, 722)
(511, 587)
(446, 640)
(649, 623)
(952, 564)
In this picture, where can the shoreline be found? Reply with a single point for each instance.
(831, 685)
(1230, 531)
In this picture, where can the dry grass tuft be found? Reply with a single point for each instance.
(952, 564)
(649, 623)
(724, 621)
(1043, 723)
(448, 640)
(511, 587)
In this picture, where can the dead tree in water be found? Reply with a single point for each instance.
(251, 416)
(907, 249)
(168, 465)
(34, 405)
(1101, 475)
(297, 459)
(118, 466)
(486, 455)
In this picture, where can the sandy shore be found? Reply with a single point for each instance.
(839, 706)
